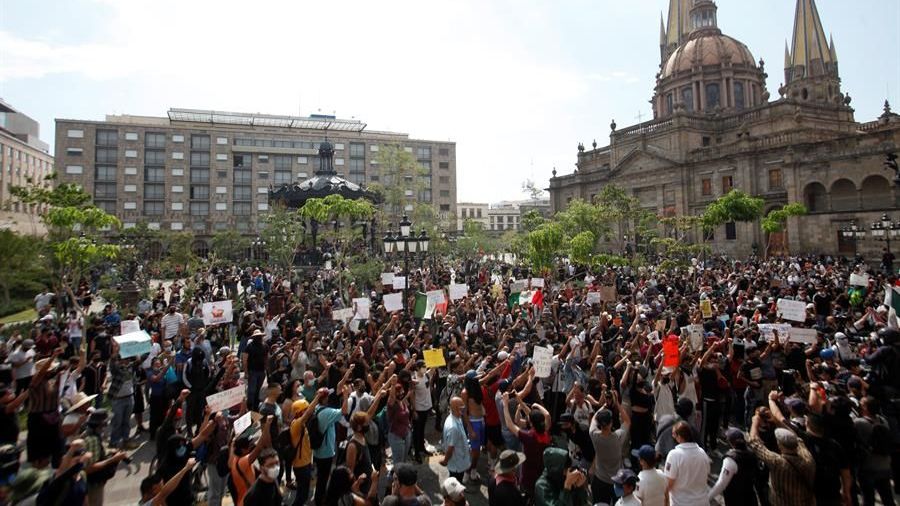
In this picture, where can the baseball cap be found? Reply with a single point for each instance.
(734, 435)
(453, 489)
(625, 476)
(647, 453)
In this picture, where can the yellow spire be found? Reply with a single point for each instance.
(678, 26)
(809, 42)
(662, 30)
(787, 56)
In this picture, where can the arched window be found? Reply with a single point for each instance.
(739, 95)
(843, 196)
(712, 96)
(815, 198)
(876, 193)
(687, 97)
(200, 248)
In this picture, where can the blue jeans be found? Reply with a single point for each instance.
(254, 384)
(399, 447)
(75, 343)
(120, 426)
(216, 486)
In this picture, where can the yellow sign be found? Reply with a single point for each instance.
(435, 358)
(706, 308)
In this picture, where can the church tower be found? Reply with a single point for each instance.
(810, 66)
(677, 28)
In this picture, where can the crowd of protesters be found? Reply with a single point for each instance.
(348, 412)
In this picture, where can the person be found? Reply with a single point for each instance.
(22, 361)
(264, 490)
(242, 454)
(155, 490)
(504, 489)
(422, 403)
(405, 490)
(342, 489)
(454, 492)
(578, 440)
(399, 418)
(560, 483)
(358, 458)
(300, 446)
(177, 450)
(68, 484)
(740, 470)
(327, 418)
(121, 395)
(626, 482)
(456, 442)
(75, 330)
(875, 463)
(9, 415)
(791, 468)
(534, 439)
(171, 323)
(254, 361)
(99, 467)
(652, 482)
(608, 447)
(44, 440)
(687, 469)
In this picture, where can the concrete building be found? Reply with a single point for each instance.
(472, 211)
(503, 216)
(210, 171)
(715, 128)
(24, 157)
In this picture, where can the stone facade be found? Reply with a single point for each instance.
(804, 147)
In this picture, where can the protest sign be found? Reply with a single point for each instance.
(399, 283)
(361, 308)
(593, 298)
(393, 301)
(518, 285)
(129, 326)
(354, 325)
(243, 423)
(784, 331)
(653, 337)
(794, 310)
(608, 293)
(226, 398)
(342, 314)
(537, 282)
(217, 312)
(706, 308)
(671, 354)
(804, 336)
(387, 278)
(775, 283)
(859, 279)
(458, 291)
(695, 334)
(436, 296)
(133, 344)
(434, 358)
(541, 357)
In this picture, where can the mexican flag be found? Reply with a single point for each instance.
(425, 310)
(892, 297)
(535, 297)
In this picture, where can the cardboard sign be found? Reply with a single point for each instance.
(361, 308)
(387, 278)
(518, 285)
(608, 293)
(859, 279)
(243, 423)
(671, 353)
(537, 282)
(775, 283)
(706, 308)
(784, 331)
(458, 291)
(541, 358)
(226, 399)
(343, 315)
(399, 283)
(593, 298)
(653, 337)
(803, 336)
(794, 310)
(393, 301)
(695, 335)
(129, 326)
(133, 344)
(434, 358)
(436, 296)
(217, 312)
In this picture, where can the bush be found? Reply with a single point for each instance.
(15, 306)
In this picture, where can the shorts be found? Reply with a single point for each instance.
(478, 426)
(494, 435)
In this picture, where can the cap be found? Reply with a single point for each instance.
(452, 488)
(625, 476)
(786, 438)
(647, 453)
(502, 356)
(827, 354)
(471, 374)
(734, 435)
(299, 406)
(406, 474)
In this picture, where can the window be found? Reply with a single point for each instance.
(445, 207)
(727, 183)
(154, 191)
(707, 186)
(282, 162)
(242, 193)
(282, 177)
(105, 190)
(426, 165)
(357, 150)
(108, 206)
(106, 155)
(706, 141)
(739, 95)
(154, 157)
(107, 137)
(687, 98)
(444, 179)
(241, 209)
(425, 195)
(478, 212)
(199, 208)
(242, 176)
(423, 153)
(199, 142)
(199, 175)
(153, 208)
(357, 166)
(445, 193)
(669, 103)
(74, 151)
(775, 182)
(358, 178)
(444, 152)
(75, 134)
(443, 165)
(242, 161)
(105, 173)
(153, 140)
(730, 231)
(199, 192)
(199, 159)
(712, 96)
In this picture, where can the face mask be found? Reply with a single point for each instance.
(618, 490)
(181, 452)
(272, 472)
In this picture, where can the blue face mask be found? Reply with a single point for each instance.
(618, 490)
(181, 451)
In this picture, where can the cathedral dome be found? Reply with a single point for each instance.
(704, 50)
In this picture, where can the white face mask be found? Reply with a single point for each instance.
(272, 472)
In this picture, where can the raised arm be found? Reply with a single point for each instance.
(172, 484)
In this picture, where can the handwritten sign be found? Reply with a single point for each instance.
(706, 308)
(243, 423)
(458, 291)
(133, 344)
(361, 308)
(342, 314)
(226, 399)
(217, 312)
(537, 282)
(434, 358)
(387, 278)
(399, 283)
(608, 293)
(436, 296)
(859, 279)
(393, 301)
(593, 298)
(541, 358)
(653, 337)
(518, 285)
(129, 326)
(803, 336)
(766, 330)
(794, 310)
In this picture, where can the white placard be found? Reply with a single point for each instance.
(387, 278)
(436, 296)
(133, 344)
(541, 358)
(354, 326)
(794, 310)
(429, 309)
(653, 337)
(393, 301)
(243, 423)
(859, 279)
(593, 298)
(343, 315)
(458, 291)
(129, 326)
(784, 331)
(695, 332)
(361, 308)
(518, 285)
(399, 283)
(537, 282)
(226, 399)
(217, 312)
(804, 336)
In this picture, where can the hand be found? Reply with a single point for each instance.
(574, 478)
(184, 395)
(191, 462)
(773, 395)
(120, 456)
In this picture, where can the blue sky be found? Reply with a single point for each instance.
(516, 83)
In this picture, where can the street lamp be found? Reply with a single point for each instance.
(885, 230)
(405, 242)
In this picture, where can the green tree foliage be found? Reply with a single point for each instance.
(180, 249)
(229, 245)
(580, 217)
(581, 247)
(399, 173)
(283, 233)
(532, 220)
(544, 245)
(776, 220)
(24, 266)
(733, 206)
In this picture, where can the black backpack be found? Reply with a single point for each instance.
(316, 436)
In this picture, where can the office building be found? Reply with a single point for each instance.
(24, 160)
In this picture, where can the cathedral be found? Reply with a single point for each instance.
(716, 127)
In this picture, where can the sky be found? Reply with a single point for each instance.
(517, 84)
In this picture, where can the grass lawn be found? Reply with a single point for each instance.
(25, 315)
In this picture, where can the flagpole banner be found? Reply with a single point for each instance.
(387, 278)
(361, 308)
(892, 298)
(217, 312)
(794, 310)
(434, 358)
(226, 398)
(393, 301)
(133, 344)
(541, 358)
(458, 291)
(526, 297)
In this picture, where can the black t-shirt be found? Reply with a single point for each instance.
(504, 494)
(263, 493)
(830, 459)
(822, 302)
(256, 355)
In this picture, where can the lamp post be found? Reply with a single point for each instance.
(405, 241)
(884, 230)
(257, 246)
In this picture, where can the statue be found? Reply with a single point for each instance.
(612, 126)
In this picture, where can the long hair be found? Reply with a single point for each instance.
(473, 388)
(339, 484)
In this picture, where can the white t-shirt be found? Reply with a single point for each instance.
(155, 350)
(688, 465)
(74, 325)
(631, 500)
(665, 400)
(651, 487)
(25, 370)
(171, 322)
(423, 394)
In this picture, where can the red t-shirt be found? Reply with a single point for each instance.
(491, 415)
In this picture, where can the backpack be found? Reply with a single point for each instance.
(316, 435)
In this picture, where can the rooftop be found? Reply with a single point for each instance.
(314, 122)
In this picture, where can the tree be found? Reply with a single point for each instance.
(734, 206)
(403, 180)
(282, 234)
(180, 249)
(776, 220)
(617, 206)
(581, 247)
(580, 217)
(544, 245)
(531, 189)
(23, 263)
(229, 245)
(531, 220)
